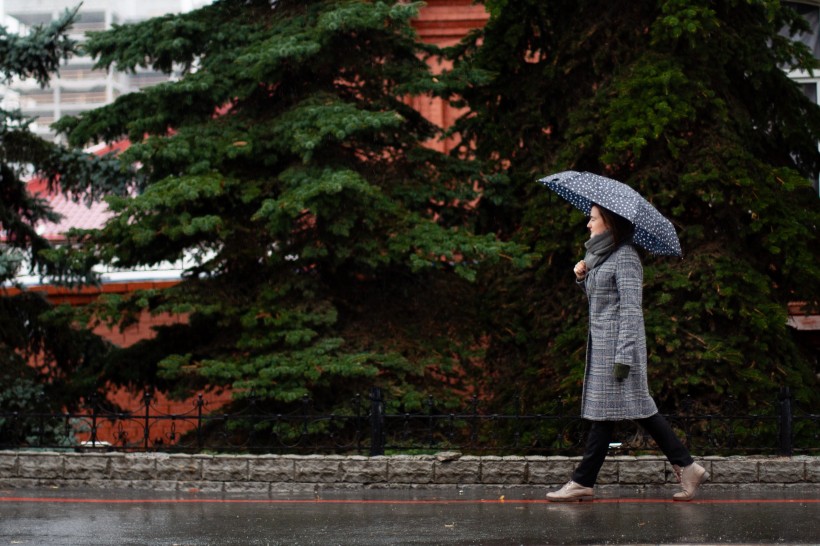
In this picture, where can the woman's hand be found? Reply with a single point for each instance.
(580, 270)
(622, 371)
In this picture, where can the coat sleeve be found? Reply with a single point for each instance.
(629, 282)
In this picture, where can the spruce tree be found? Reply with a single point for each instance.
(326, 247)
(43, 353)
(689, 103)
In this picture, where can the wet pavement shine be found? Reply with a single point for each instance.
(470, 516)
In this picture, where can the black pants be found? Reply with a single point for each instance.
(598, 444)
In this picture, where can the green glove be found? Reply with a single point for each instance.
(621, 371)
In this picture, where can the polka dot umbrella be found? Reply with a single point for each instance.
(653, 231)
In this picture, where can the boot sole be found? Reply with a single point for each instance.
(573, 499)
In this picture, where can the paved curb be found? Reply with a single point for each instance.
(267, 473)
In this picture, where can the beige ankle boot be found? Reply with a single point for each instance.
(571, 492)
(690, 478)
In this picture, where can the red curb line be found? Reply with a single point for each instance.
(421, 501)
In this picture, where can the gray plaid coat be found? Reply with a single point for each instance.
(616, 334)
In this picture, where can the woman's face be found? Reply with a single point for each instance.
(596, 222)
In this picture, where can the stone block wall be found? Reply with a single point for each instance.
(260, 473)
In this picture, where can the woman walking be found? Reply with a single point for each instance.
(615, 381)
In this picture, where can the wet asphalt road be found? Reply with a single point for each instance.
(477, 516)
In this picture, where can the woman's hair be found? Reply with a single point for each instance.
(621, 228)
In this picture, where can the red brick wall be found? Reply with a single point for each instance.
(444, 23)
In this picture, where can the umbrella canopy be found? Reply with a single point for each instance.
(653, 231)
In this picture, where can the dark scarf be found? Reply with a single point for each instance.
(598, 248)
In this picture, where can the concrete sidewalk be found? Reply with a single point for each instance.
(472, 515)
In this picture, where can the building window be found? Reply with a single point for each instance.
(808, 82)
(811, 13)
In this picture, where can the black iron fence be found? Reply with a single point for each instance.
(367, 426)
